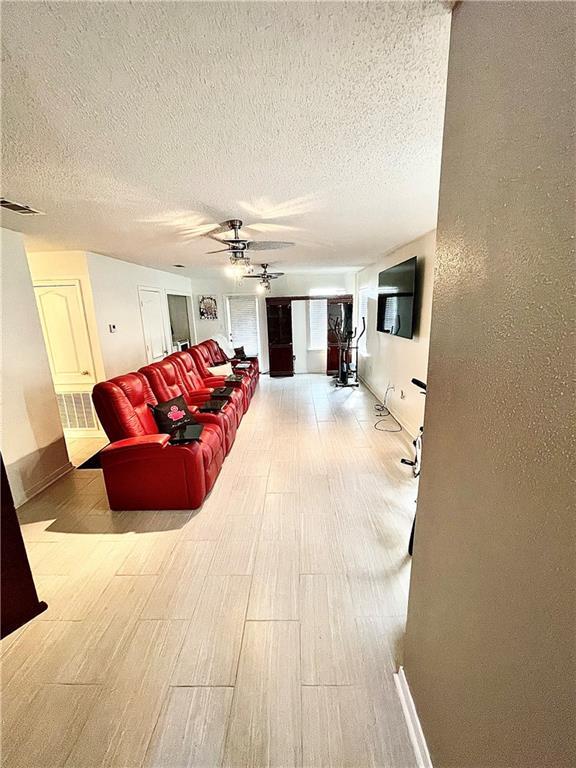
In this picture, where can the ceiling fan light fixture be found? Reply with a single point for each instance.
(239, 266)
(264, 286)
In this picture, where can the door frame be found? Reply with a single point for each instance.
(228, 319)
(164, 312)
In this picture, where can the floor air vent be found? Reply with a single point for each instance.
(76, 410)
(25, 210)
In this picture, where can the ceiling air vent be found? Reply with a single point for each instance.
(25, 210)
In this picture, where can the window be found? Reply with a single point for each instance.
(243, 323)
(317, 323)
(362, 313)
(391, 315)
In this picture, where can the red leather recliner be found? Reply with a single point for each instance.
(219, 354)
(193, 381)
(141, 469)
(166, 382)
(204, 357)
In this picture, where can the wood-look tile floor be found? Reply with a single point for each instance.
(82, 448)
(261, 630)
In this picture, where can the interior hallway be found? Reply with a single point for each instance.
(262, 630)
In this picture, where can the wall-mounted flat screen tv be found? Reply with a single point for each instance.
(397, 299)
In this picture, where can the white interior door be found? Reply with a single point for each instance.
(242, 317)
(151, 307)
(65, 331)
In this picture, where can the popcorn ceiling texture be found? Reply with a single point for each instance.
(490, 651)
(323, 117)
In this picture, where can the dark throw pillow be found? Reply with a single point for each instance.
(171, 414)
(239, 353)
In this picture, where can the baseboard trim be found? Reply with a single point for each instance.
(37, 488)
(412, 721)
(380, 399)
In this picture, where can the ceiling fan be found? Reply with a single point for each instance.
(238, 246)
(265, 277)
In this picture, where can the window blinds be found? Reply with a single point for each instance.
(243, 316)
(317, 323)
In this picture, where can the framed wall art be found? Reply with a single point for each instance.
(208, 308)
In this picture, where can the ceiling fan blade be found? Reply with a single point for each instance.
(268, 227)
(267, 245)
(219, 229)
(267, 275)
(221, 250)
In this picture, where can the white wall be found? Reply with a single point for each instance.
(115, 286)
(309, 284)
(32, 440)
(391, 359)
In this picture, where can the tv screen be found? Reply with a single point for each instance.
(396, 299)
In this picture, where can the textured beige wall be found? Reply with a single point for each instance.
(490, 639)
(32, 440)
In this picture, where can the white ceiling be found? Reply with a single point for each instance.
(134, 126)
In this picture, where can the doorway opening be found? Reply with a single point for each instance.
(309, 334)
(181, 322)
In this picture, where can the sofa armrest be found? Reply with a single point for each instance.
(147, 472)
(154, 442)
(198, 396)
(214, 381)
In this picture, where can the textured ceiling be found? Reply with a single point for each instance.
(135, 126)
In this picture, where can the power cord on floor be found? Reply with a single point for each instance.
(383, 413)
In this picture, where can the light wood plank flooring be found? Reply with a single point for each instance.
(262, 630)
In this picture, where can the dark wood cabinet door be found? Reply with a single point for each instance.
(19, 601)
(339, 315)
(280, 351)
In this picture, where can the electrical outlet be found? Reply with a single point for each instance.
(112, 327)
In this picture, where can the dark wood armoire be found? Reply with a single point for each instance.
(18, 593)
(280, 350)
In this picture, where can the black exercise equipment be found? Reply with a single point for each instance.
(415, 463)
(347, 375)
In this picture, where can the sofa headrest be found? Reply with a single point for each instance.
(122, 406)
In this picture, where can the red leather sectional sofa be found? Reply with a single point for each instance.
(142, 470)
